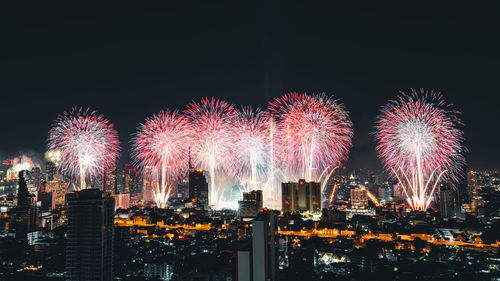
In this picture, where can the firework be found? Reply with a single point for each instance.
(160, 150)
(251, 147)
(420, 144)
(315, 135)
(212, 123)
(87, 142)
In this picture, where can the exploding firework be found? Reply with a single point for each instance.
(212, 124)
(420, 144)
(18, 164)
(251, 148)
(315, 135)
(88, 144)
(160, 150)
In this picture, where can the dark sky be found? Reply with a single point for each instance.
(131, 61)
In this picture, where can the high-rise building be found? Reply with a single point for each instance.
(259, 261)
(129, 179)
(251, 204)
(160, 270)
(264, 246)
(89, 246)
(301, 196)
(36, 178)
(446, 200)
(50, 171)
(48, 200)
(26, 210)
(109, 181)
(359, 198)
(59, 187)
(198, 187)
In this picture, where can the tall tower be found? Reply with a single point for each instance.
(89, 246)
(198, 187)
(446, 200)
(129, 179)
(109, 181)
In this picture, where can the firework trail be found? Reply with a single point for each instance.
(315, 133)
(159, 149)
(212, 124)
(420, 144)
(251, 147)
(87, 142)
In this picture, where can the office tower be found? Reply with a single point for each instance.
(36, 178)
(301, 196)
(59, 187)
(359, 198)
(50, 171)
(198, 187)
(446, 200)
(26, 210)
(264, 244)
(109, 180)
(160, 270)
(48, 200)
(251, 204)
(122, 200)
(89, 246)
(129, 179)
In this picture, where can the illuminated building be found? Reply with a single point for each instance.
(198, 187)
(251, 204)
(359, 198)
(50, 171)
(162, 271)
(261, 263)
(446, 200)
(59, 187)
(109, 180)
(301, 196)
(122, 200)
(36, 178)
(129, 179)
(89, 246)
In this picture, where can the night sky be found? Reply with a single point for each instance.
(129, 62)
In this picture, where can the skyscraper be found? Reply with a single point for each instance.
(251, 204)
(359, 198)
(198, 187)
(264, 258)
(50, 171)
(446, 200)
(26, 211)
(89, 246)
(301, 196)
(109, 181)
(36, 178)
(129, 179)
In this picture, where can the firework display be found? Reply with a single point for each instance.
(160, 148)
(244, 149)
(315, 135)
(87, 142)
(420, 144)
(212, 123)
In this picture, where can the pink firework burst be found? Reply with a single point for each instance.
(315, 131)
(160, 149)
(420, 144)
(251, 147)
(212, 123)
(87, 141)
